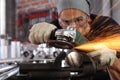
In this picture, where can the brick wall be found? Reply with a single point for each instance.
(30, 12)
(26, 6)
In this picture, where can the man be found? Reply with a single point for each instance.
(76, 13)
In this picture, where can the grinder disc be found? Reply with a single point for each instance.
(60, 44)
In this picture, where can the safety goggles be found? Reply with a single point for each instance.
(77, 20)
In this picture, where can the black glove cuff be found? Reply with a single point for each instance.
(52, 36)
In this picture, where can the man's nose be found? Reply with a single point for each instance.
(72, 24)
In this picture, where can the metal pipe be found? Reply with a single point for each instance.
(8, 74)
(7, 67)
(2, 17)
(22, 59)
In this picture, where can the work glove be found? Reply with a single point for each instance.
(40, 32)
(104, 55)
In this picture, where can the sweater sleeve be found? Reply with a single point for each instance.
(114, 70)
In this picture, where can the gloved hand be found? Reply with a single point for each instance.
(104, 55)
(40, 32)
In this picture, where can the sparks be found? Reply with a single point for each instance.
(112, 42)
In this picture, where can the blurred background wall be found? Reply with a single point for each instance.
(107, 8)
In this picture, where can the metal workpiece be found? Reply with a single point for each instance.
(11, 60)
(58, 69)
(50, 63)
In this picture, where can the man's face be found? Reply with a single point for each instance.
(74, 18)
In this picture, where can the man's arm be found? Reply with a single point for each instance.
(114, 70)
